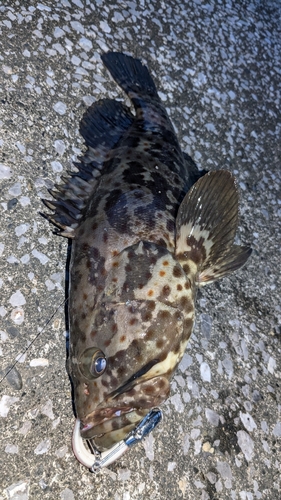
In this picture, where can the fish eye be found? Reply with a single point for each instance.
(100, 364)
(92, 363)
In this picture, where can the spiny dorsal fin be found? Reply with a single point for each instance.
(205, 228)
(102, 126)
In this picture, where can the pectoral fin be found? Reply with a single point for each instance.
(232, 261)
(205, 228)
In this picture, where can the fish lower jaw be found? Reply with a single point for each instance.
(100, 419)
(88, 459)
(110, 431)
(95, 459)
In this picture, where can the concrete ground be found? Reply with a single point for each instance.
(217, 66)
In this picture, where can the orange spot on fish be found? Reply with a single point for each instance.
(165, 263)
(150, 293)
(123, 338)
(115, 264)
(162, 273)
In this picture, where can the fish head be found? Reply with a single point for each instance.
(140, 329)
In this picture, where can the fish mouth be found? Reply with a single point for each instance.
(123, 409)
(126, 406)
(94, 459)
(103, 420)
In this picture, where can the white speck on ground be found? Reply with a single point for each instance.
(277, 430)
(5, 403)
(176, 401)
(40, 256)
(148, 444)
(67, 494)
(39, 362)
(17, 315)
(15, 189)
(21, 229)
(224, 470)
(59, 147)
(18, 491)
(56, 166)
(43, 447)
(246, 444)
(61, 452)
(17, 299)
(248, 421)
(11, 448)
(5, 172)
(60, 107)
(47, 409)
(205, 372)
(212, 417)
(25, 428)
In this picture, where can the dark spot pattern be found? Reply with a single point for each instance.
(186, 304)
(166, 290)
(177, 272)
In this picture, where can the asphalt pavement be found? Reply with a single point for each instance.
(217, 66)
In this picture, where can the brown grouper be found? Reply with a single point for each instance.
(147, 230)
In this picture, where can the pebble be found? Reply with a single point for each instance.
(246, 444)
(205, 325)
(17, 299)
(17, 316)
(5, 403)
(18, 491)
(212, 417)
(13, 331)
(60, 107)
(12, 203)
(42, 447)
(205, 372)
(248, 421)
(11, 448)
(39, 362)
(67, 494)
(13, 377)
(5, 172)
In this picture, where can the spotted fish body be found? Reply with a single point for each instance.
(147, 229)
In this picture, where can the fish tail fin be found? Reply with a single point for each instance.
(132, 76)
(206, 226)
(102, 126)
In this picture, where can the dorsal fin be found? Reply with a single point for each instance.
(102, 126)
(205, 228)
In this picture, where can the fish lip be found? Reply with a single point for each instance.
(100, 416)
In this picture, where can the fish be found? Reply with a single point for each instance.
(148, 228)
